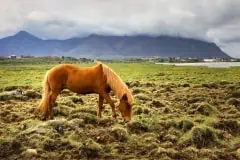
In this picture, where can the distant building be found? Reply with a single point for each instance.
(209, 60)
(12, 56)
(233, 60)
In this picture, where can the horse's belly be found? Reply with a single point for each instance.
(81, 89)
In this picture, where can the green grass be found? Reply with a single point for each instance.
(193, 120)
(12, 73)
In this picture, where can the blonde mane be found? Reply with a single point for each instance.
(116, 83)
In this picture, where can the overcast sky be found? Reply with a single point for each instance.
(212, 20)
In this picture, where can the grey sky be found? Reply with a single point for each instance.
(213, 20)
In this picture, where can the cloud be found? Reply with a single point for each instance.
(216, 20)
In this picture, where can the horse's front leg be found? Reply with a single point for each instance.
(100, 106)
(110, 102)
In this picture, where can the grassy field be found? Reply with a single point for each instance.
(179, 113)
(20, 74)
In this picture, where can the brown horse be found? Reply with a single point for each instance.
(98, 79)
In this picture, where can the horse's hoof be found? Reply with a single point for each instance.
(50, 118)
(43, 118)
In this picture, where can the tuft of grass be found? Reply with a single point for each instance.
(141, 110)
(75, 139)
(157, 104)
(236, 94)
(91, 149)
(120, 133)
(200, 136)
(210, 85)
(233, 101)
(77, 122)
(206, 109)
(137, 127)
(142, 97)
(63, 110)
(48, 144)
(32, 94)
(186, 125)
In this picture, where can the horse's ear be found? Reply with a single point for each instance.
(100, 65)
(124, 97)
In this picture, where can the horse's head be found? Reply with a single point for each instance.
(125, 108)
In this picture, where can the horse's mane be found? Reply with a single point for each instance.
(116, 83)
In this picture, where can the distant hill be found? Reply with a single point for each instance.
(98, 46)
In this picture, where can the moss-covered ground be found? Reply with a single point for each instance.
(179, 113)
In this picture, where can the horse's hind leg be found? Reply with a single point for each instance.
(100, 106)
(44, 107)
(53, 97)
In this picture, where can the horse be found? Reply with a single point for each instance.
(99, 79)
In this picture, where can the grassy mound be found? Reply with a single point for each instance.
(205, 109)
(201, 137)
(137, 127)
(120, 133)
(91, 149)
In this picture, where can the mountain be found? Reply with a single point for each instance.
(99, 46)
(24, 43)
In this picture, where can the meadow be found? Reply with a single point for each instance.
(179, 113)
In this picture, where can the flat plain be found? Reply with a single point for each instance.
(180, 112)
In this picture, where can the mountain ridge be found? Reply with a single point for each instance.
(100, 46)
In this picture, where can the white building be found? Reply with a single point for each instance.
(209, 60)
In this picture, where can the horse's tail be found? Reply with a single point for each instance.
(44, 104)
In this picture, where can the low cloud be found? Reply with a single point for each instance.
(216, 20)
